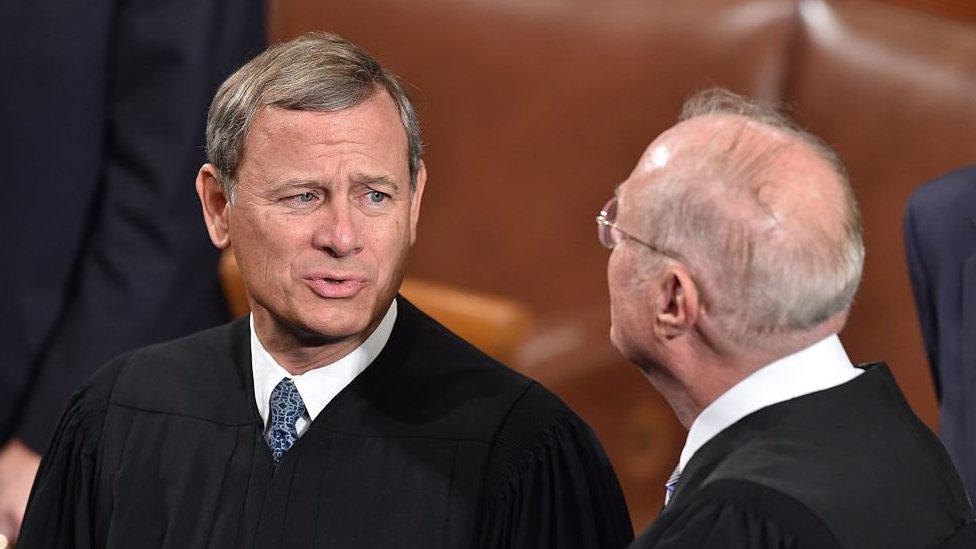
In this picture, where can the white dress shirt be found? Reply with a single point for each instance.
(820, 366)
(318, 386)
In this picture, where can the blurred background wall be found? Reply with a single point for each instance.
(534, 110)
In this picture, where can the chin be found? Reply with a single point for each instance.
(341, 319)
(332, 327)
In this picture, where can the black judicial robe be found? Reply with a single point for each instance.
(433, 445)
(851, 466)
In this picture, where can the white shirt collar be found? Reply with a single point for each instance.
(319, 386)
(820, 366)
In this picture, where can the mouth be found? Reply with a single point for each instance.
(334, 287)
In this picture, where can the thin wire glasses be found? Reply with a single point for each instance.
(607, 230)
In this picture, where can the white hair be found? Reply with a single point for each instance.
(758, 281)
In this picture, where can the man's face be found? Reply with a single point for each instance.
(633, 287)
(324, 216)
(630, 329)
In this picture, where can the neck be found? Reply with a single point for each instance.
(695, 384)
(299, 352)
(698, 371)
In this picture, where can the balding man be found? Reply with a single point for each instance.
(736, 254)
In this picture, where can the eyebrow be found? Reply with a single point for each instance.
(296, 184)
(375, 181)
(358, 179)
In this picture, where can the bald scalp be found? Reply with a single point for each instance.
(762, 212)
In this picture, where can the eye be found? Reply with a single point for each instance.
(376, 197)
(305, 199)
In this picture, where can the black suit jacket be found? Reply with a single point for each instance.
(103, 107)
(850, 466)
(940, 241)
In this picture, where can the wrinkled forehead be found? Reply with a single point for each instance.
(301, 137)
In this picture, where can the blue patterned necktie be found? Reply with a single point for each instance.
(286, 408)
(671, 485)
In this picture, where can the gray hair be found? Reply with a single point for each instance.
(319, 72)
(756, 280)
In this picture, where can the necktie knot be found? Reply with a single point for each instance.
(286, 407)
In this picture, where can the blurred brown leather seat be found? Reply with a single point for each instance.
(496, 325)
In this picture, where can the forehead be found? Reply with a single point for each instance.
(628, 198)
(371, 128)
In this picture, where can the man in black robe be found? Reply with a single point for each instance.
(337, 414)
(737, 251)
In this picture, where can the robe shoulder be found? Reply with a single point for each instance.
(549, 483)
(86, 410)
(802, 454)
(62, 501)
(429, 382)
(738, 513)
(547, 480)
(790, 468)
(194, 376)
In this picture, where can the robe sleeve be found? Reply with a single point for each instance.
(549, 483)
(738, 515)
(62, 510)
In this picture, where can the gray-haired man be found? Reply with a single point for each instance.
(736, 254)
(337, 415)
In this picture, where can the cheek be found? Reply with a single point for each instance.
(625, 297)
(616, 273)
(387, 239)
(614, 285)
(265, 244)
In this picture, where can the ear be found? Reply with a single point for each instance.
(215, 206)
(678, 302)
(417, 194)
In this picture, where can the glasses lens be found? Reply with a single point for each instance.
(605, 230)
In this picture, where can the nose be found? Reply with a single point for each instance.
(339, 231)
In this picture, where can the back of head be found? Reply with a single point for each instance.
(761, 212)
(319, 72)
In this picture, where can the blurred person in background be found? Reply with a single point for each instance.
(737, 252)
(940, 242)
(103, 107)
(337, 414)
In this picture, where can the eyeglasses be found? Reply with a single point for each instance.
(607, 230)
